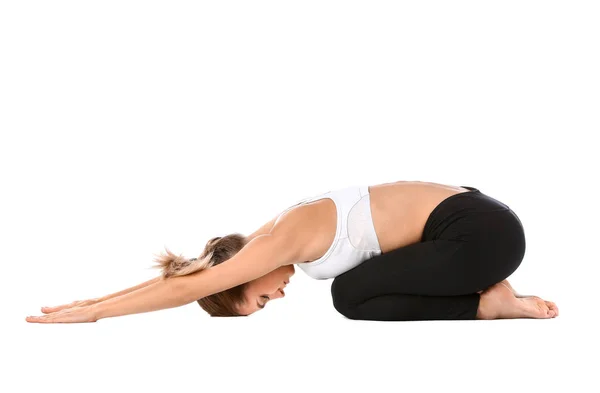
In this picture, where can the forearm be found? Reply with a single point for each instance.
(128, 290)
(163, 294)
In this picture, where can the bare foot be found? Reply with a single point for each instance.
(505, 282)
(499, 302)
(551, 305)
(517, 294)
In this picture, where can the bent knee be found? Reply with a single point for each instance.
(340, 296)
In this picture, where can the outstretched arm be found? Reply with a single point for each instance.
(260, 256)
(131, 289)
(89, 302)
(164, 293)
(158, 294)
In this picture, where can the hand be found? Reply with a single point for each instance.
(76, 303)
(68, 315)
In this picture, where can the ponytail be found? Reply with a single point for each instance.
(176, 265)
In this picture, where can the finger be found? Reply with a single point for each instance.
(48, 319)
(37, 319)
(57, 317)
(48, 310)
(74, 303)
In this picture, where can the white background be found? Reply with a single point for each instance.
(127, 126)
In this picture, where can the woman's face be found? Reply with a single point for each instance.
(266, 288)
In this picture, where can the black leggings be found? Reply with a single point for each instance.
(470, 242)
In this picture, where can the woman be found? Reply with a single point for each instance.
(407, 250)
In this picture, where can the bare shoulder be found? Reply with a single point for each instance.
(265, 229)
(295, 228)
(290, 214)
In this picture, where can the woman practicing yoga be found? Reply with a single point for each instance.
(406, 250)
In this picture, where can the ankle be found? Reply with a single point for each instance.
(483, 310)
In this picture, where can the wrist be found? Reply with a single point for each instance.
(98, 310)
(100, 299)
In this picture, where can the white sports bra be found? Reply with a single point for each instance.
(355, 238)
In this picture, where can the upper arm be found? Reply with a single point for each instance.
(258, 257)
(284, 221)
(263, 230)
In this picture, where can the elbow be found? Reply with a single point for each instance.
(181, 289)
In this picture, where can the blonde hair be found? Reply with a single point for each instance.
(217, 250)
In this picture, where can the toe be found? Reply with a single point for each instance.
(552, 306)
(543, 308)
(534, 308)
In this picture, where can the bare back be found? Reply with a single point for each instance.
(401, 209)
